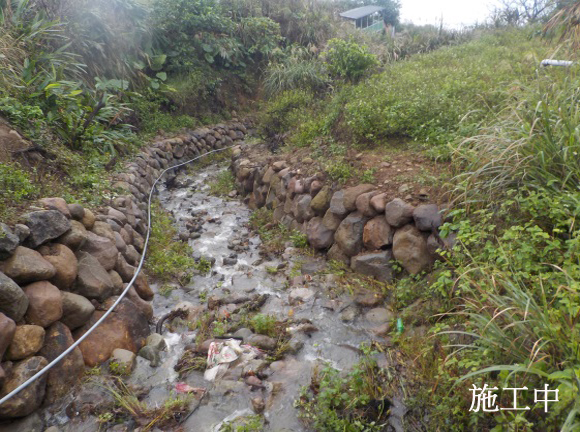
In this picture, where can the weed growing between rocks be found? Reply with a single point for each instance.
(275, 236)
(129, 405)
(253, 423)
(167, 259)
(352, 402)
(223, 184)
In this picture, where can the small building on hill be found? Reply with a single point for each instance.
(365, 17)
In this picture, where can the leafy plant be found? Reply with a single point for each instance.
(349, 60)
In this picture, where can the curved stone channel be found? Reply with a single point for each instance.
(299, 291)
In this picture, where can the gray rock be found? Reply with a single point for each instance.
(156, 341)
(21, 231)
(103, 229)
(76, 310)
(301, 208)
(8, 241)
(13, 301)
(319, 237)
(379, 316)
(244, 333)
(374, 264)
(124, 358)
(93, 281)
(331, 221)
(337, 204)
(262, 341)
(398, 213)
(44, 226)
(337, 254)
(151, 354)
(77, 211)
(427, 217)
(351, 194)
(349, 235)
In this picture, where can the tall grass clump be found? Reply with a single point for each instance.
(298, 70)
(534, 144)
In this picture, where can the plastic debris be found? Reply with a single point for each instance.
(221, 355)
(182, 387)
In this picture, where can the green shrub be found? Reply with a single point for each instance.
(284, 111)
(349, 60)
(15, 184)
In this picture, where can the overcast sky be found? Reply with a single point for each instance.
(454, 12)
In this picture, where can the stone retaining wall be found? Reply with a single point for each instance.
(64, 265)
(361, 226)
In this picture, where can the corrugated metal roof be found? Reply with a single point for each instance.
(360, 12)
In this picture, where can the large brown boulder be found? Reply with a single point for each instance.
(351, 194)
(126, 327)
(27, 265)
(377, 234)
(411, 250)
(44, 303)
(88, 219)
(29, 399)
(378, 202)
(142, 287)
(7, 330)
(103, 229)
(93, 281)
(56, 203)
(63, 376)
(363, 204)
(64, 261)
(44, 226)
(76, 310)
(75, 237)
(13, 301)
(349, 235)
(102, 248)
(28, 340)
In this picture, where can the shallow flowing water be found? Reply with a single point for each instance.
(226, 224)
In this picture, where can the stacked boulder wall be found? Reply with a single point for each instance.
(61, 267)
